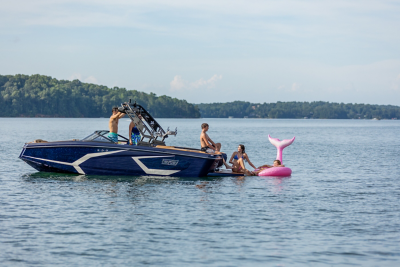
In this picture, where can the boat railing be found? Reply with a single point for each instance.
(152, 134)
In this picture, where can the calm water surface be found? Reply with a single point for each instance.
(341, 206)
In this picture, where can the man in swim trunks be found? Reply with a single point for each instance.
(208, 145)
(113, 124)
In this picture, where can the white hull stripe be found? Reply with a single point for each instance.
(153, 171)
(79, 161)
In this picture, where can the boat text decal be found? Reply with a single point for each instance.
(170, 162)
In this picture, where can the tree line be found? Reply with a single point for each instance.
(316, 110)
(44, 96)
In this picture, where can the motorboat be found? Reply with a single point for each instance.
(97, 154)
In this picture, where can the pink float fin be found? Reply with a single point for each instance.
(280, 145)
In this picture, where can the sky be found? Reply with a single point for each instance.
(211, 51)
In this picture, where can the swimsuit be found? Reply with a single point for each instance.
(236, 157)
(135, 136)
(113, 137)
(207, 149)
(204, 149)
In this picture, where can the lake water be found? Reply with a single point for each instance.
(341, 206)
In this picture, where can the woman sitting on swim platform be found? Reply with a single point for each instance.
(237, 160)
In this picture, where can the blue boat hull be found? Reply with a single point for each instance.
(93, 158)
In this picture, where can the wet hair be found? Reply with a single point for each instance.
(114, 108)
(204, 125)
(279, 162)
(242, 147)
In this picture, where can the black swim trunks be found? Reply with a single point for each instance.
(207, 149)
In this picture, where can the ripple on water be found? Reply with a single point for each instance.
(339, 207)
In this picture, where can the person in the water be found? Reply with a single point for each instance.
(237, 160)
(113, 124)
(277, 163)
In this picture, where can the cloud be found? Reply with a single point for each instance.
(210, 83)
(333, 17)
(178, 84)
(86, 79)
(295, 87)
(91, 79)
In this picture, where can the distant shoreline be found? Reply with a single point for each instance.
(39, 96)
(299, 110)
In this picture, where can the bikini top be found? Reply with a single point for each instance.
(236, 157)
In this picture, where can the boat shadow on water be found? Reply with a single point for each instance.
(136, 187)
(55, 176)
(139, 188)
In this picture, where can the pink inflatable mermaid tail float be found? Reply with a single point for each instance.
(278, 171)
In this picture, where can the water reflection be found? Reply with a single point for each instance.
(136, 187)
(239, 181)
(206, 184)
(100, 178)
(276, 184)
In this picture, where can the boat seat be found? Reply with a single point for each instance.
(181, 149)
(190, 150)
(38, 141)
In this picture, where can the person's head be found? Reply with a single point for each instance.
(277, 162)
(204, 126)
(115, 109)
(241, 148)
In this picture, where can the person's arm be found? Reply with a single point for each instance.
(281, 165)
(212, 142)
(251, 164)
(226, 165)
(205, 140)
(233, 155)
(265, 166)
(116, 116)
(121, 115)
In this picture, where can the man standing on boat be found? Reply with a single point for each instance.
(134, 134)
(208, 145)
(113, 124)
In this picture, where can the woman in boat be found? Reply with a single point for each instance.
(237, 160)
(277, 163)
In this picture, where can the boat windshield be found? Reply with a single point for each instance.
(101, 136)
